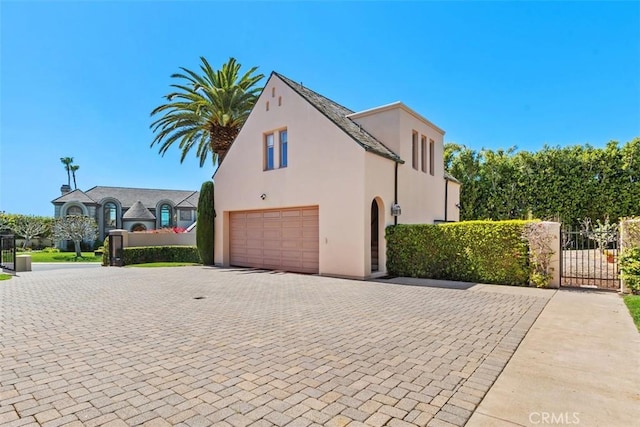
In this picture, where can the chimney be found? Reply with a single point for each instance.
(65, 189)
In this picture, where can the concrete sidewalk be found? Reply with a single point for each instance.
(578, 365)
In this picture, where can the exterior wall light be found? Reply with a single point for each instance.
(263, 196)
(395, 210)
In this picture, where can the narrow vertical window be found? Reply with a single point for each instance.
(284, 155)
(423, 151)
(267, 105)
(109, 217)
(268, 151)
(166, 216)
(273, 92)
(414, 150)
(432, 147)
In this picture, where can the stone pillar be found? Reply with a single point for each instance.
(117, 244)
(553, 228)
(549, 232)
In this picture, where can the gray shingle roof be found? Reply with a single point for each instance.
(138, 211)
(129, 196)
(75, 196)
(338, 115)
(191, 201)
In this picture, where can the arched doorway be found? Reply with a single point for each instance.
(139, 227)
(375, 241)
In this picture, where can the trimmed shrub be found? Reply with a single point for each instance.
(146, 254)
(630, 268)
(204, 229)
(106, 254)
(471, 251)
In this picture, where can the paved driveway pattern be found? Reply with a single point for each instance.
(202, 346)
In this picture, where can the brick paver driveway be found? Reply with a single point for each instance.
(198, 346)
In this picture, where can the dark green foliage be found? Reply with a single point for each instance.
(473, 251)
(561, 183)
(630, 268)
(146, 254)
(204, 229)
(106, 254)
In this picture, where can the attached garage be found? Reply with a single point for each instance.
(275, 239)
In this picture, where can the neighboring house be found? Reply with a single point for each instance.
(310, 186)
(132, 209)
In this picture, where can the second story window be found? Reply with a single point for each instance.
(432, 147)
(423, 149)
(414, 150)
(284, 155)
(268, 152)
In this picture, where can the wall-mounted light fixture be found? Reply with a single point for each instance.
(263, 196)
(395, 210)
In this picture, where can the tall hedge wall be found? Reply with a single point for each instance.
(471, 251)
(146, 254)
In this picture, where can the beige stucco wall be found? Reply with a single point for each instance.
(325, 169)
(420, 195)
(161, 239)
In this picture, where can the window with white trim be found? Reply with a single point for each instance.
(268, 152)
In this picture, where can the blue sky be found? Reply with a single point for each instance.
(79, 79)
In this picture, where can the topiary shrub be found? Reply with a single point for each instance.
(106, 254)
(471, 251)
(146, 254)
(205, 228)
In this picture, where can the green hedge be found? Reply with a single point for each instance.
(146, 254)
(471, 251)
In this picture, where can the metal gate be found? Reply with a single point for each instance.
(589, 259)
(8, 252)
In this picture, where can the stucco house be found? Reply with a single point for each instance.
(310, 186)
(132, 209)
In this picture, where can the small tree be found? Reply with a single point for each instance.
(602, 233)
(204, 229)
(29, 227)
(76, 228)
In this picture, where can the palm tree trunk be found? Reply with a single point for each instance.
(75, 186)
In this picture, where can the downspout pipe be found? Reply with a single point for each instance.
(395, 193)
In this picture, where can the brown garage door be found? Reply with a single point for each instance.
(276, 239)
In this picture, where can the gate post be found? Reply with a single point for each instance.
(118, 240)
(553, 228)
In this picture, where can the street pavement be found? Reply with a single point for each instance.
(201, 346)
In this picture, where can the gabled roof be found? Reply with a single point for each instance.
(139, 212)
(190, 202)
(129, 196)
(338, 115)
(75, 196)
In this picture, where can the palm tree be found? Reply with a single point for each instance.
(206, 110)
(66, 161)
(74, 168)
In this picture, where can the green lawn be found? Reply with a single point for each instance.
(633, 303)
(4, 276)
(37, 256)
(164, 264)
